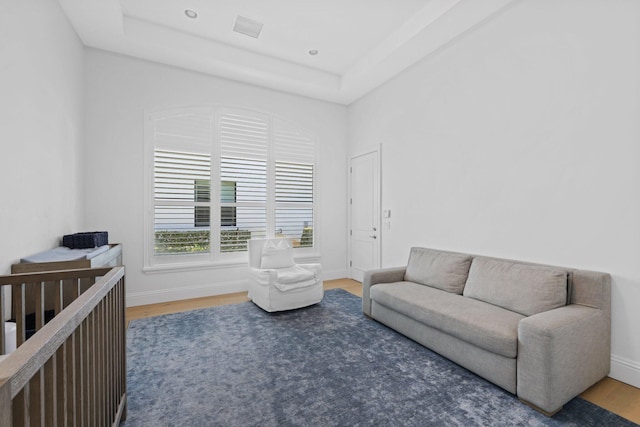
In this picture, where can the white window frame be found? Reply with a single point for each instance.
(215, 259)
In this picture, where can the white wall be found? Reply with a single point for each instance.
(522, 140)
(41, 128)
(118, 91)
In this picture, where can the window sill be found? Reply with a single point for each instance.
(190, 266)
(208, 265)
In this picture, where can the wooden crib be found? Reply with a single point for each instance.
(72, 371)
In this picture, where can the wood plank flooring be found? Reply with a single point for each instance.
(610, 394)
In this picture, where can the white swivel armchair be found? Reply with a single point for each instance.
(276, 283)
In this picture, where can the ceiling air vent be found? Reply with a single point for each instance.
(247, 26)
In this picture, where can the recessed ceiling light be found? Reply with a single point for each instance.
(313, 52)
(191, 13)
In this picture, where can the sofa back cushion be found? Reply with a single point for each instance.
(525, 289)
(442, 270)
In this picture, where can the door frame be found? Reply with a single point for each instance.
(378, 189)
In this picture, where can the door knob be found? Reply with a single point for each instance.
(373, 237)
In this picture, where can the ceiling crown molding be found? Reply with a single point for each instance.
(103, 24)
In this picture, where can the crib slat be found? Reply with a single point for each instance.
(99, 365)
(20, 321)
(106, 406)
(96, 366)
(35, 392)
(88, 362)
(106, 390)
(61, 384)
(39, 302)
(109, 326)
(99, 362)
(77, 289)
(6, 416)
(76, 396)
(19, 406)
(57, 297)
(3, 338)
(91, 353)
(116, 344)
(92, 370)
(86, 391)
(122, 330)
(105, 358)
(36, 403)
(110, 360)
(70, 381)
(50, 393)
(29, 391)
(84, 357)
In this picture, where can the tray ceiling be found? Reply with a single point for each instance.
(360, 43)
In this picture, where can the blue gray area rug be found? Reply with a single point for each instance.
(324, 365)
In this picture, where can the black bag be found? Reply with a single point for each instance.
(85, 240)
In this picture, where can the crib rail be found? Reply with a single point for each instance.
(72, 372)
(47, 289)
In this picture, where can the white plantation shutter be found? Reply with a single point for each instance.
(293, 144)
(222, 176)
(182, 182)
(295, 155)
(244, 148)
(190, 129)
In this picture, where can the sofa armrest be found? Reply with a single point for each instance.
(385, 275)
(561, 353)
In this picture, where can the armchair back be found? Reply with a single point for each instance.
(255, 250)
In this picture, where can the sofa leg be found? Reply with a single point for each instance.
(542, 411)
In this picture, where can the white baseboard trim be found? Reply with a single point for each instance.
(625, 370)
(188, 292)
(335, 274)
(185, 292)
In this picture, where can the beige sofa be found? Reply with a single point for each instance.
(540, 332)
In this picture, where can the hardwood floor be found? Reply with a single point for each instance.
(144, 311)
(610, 394)
(617, 397)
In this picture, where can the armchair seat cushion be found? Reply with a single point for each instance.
(294, 277)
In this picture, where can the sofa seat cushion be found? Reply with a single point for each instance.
(525, 289)
(483, 325)
(442, 270)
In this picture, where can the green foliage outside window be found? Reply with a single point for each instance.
(306, 241)
(198, 241)
(234, 240)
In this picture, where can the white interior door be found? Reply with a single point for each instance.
(364, 232)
